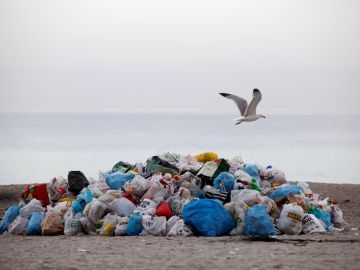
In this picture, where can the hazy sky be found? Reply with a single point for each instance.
(146, 56)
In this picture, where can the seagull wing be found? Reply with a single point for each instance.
(251, 109)
(240, 102)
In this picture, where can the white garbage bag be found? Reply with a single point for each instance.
(33, 206)
(311, 224)
(137, 186)
(122, 207)
(290, 221)
(180, 229)
(248, 196)
(153, 225)
(19, 225)
(121, 226)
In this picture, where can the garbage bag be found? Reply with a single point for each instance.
(206, 156)
(19, 225)
(270, 206)
(117, 180)
(122, 207)
(147, 206)
(82, 200)
(153, 225)
(253, 171)
(211, 170)
(170, 223)
(11, 213)
(52, 224)
(208, 217)
(33, 206)
(96, 210)
(108, 226)
(189, 164)
(164, 209)
(158, 165)
(285, 190)
(57, 187)
(248, 196)
(224, 182)
(212, 193)
(310, 224)
(134, 225)
(337, 217)
(237, 211)
(77, 181)
(38, 192)
(34, 226)
(121, 166)
(121, 226)
(158, 191)
(180, 229)
(290, 221)
(72, 224)
(137, 186)
(321, 215)
(258, 222)
(190, 182)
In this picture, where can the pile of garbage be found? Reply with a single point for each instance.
(174, 195)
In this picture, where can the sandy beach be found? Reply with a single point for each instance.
(316, 251)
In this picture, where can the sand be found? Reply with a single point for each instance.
(316, 251)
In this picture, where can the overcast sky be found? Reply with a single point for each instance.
(150, 56)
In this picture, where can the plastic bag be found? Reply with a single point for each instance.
(310, 224)
(117, 180)
(19, 225)
(108, 226)
(253, 171)
(337, 217)
(180, 229)
(87, 225)
(208, 217)
(34, 226)
(157, 165)
(96, 210)
(134, 225)
(321, 215)
(170, 223)
(72, 224)
(258, 222)
(290, 221)
(145, 207)
(188, 163)
(121, 166)
(283, 191)
(57, 187)
(33, 206)
(122, 207)
(137, 186)
(190, 182)
(153, 225)
(206, 156)
(158, 191)
(77, 181)
(52, 224)
(11, 213)
(212, 193)
(270, 206)
(82, 200)
(224, 182)
(164, 209)
(237, 211)
(248, 196)
(121, 226)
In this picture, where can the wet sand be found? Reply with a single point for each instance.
(315, 251)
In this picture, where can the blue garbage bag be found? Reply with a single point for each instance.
(81, 201)
(208, 217)
(224, 182)
(34, 227)
(285, 190)
(322, 215)
(253, 171)
(258, 222)
(118, 179)
(10, 215)
(134, 226)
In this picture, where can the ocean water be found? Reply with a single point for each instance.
(34, 147)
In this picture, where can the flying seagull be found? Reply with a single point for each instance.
(248, 113)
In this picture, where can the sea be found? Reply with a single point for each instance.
(35, 147)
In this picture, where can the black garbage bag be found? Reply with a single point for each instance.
(77, 181)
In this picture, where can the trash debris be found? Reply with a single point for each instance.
(174, 195)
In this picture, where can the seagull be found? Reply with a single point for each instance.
(248, 113)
